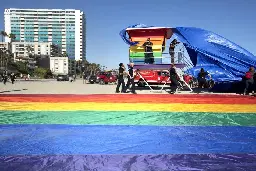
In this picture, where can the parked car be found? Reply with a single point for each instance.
(152, 77)
(92, 79)
(105, 78)
(62, 77)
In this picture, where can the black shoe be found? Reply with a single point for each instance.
(134, 93)
(124, 92)
(117, 91)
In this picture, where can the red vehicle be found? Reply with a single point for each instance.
(105, 78)
(155, 77)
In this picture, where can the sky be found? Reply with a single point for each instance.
(232, 19)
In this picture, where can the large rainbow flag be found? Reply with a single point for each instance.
(127, 132)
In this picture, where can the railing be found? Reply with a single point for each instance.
(165, 58)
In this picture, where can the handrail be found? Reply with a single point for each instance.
(159, 52)
(150, 46)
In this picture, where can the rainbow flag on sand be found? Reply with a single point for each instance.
(127, 132)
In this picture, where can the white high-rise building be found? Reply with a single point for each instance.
(65, 28)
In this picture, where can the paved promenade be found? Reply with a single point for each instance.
(55, 87)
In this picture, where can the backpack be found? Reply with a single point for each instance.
(248, 75)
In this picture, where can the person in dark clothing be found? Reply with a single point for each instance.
(149, 57)
(120, 79)
(5, 77)
(171, 49)
(249, 80)
(12, 78)
(84, 77)
(254, 84)
(130, 81)
(202, 82)
(174, 79)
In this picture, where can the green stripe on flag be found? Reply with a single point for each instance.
(127, 118)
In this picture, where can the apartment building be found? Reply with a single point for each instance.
(63, 27)
(59, 65)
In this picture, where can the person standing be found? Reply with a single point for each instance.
(84, 77)
(28, 77)
(149, 57)
(171, 49)
(131, 76)
(12, 78)
(249, 80)
(5, 77)
(174, 79)
(120, 79)
(202, 82)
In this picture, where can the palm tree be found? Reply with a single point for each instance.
(12, 36)
(3, 34)
(97, 67)
(29, 49)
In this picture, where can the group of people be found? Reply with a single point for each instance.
(5, 77)
(173, 75)
(149, 57)
(120, 79)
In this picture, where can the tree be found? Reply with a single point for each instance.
(29, 49)
(40, 72)
(12, 36)
(21, 67)
(3, 34)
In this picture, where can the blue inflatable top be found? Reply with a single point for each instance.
(223, 59)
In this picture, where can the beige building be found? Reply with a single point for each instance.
(24, 49)
(59, 65)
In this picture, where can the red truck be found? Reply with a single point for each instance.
(153, 77)
(105, 78)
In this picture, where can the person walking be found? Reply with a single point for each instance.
(131, 76)
(174, 79)
(120, 79)
(5, 77)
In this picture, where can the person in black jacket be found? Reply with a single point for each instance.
(5, 77)
(120, 79)
(12, 76)
(131, 76)
(171, 49)
(174, 79)
(149, 57)
(202, 82)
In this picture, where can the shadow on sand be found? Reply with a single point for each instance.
(16, 90)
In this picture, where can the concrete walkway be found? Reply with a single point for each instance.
(77, 87)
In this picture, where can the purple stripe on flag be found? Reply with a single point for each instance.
(188, 162)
